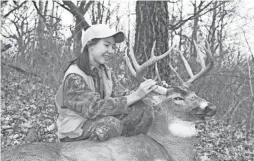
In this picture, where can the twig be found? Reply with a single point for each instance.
(236, 105)
(38, 11)
(199, 13)
(62, 5)
(251, 88)
(249, 70)
(6, 15)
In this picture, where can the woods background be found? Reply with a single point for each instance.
(38, 38)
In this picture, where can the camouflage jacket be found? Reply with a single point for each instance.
(80, 95)
(80, 98)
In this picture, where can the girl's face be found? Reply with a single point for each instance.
(101, 52)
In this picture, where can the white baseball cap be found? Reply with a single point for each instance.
(100, 31)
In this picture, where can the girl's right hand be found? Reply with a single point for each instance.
(145, 88)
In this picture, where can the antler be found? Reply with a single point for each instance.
(204, 69)
(137, 70)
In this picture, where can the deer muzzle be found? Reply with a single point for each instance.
(210, 110)
(204, 113)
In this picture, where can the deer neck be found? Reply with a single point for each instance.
(176, 136)
(182, 129)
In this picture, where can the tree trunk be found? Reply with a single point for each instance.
(213, 27)
(151, 25)
(40, 28)
(195, 29)
(81, 24)
(222, 24)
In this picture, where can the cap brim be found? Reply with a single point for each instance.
(119, 37)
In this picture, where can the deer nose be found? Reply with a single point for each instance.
(210, 109)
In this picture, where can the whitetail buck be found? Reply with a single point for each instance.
(170, 138)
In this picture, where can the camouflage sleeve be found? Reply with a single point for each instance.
(118, 89)
(81, 99)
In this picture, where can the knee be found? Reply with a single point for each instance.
(106, 128)
(113, 122)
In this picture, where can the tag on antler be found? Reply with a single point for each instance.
(161, 90)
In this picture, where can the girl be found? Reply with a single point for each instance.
(91, 103)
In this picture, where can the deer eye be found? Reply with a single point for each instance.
(178, 98)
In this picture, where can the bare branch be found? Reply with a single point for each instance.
(38, 11)
(87, 6)
(249, 71)
(182, 22)
(77, 13)
(82, 4)
(16, 8)
(62, 5)
(173, 1)
(6, 47)
(247, 43)
(3, 3)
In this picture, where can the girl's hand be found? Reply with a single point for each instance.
(145, 88)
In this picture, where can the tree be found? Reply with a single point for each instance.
(78, 11)
(151, 25)
(22, 34)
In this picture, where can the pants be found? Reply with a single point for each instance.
(138, 121)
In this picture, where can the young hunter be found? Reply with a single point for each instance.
(90, 101)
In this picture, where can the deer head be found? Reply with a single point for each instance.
(178, 106)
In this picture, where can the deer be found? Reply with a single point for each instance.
(171, 136)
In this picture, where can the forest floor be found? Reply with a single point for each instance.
(28, 114)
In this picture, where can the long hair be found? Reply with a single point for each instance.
(83, 61)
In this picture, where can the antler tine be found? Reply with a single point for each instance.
(204, 69)
(149, 62)
(136, 69)
(177, 75)
(186, 64)
(128, 62)
(133, 59)
(201, 59)
(157, 73)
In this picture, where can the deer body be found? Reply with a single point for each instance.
(171, 138)
(138, 148)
